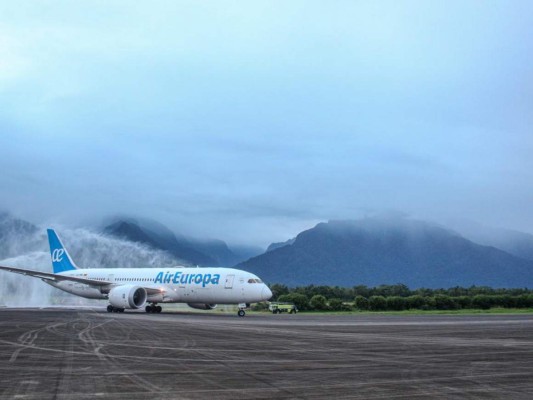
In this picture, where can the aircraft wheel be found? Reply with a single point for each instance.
(120, 310)
(158, 309)
(148, 309)
(110, 308)
(241, 313)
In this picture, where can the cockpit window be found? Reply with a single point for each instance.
(251, 280)
(259, 281)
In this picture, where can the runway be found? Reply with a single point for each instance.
(78, 354)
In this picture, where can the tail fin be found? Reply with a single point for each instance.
(61, 260)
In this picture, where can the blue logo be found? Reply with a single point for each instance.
(179, 277)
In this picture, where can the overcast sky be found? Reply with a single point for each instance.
(250, 121)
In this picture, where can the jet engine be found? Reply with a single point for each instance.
(128, 296)
(202, 306)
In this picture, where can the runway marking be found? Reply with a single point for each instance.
(129, 357)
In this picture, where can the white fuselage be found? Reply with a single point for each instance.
(173, 285)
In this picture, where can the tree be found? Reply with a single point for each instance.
(400, 290)
(392, 290)
(424, 292)
(457, 291)
(415, 302)
(377, 303)
(318, 302)
(361, 303)
(361, 290)
(444, 302)
(278, 290)
(429, 303)
(396, 303)
(335, 304)
(463, 302)
(262, 306)
(482, 301)
(300, 300)
(522, 301)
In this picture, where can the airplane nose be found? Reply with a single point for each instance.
(266, 293)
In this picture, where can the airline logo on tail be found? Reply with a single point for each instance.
(57, 255)
(61, 260)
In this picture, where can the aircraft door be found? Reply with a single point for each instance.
(111, 278)
(229, 281)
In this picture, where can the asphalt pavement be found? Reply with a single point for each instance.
(89, 353)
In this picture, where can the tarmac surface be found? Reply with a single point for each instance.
(78, 354)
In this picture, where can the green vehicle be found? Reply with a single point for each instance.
(278, 308)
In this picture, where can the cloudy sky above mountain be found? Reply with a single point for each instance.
(250, 121)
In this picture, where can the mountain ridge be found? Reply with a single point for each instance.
(370, 251)
(377, 251)
(206, 252)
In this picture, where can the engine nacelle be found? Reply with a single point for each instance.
(202, 306)
(128, 296)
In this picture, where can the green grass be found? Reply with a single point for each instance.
(427, 312)
(453, 312)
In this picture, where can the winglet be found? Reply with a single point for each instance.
(61, 260)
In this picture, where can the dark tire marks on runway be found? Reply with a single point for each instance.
(79, 354)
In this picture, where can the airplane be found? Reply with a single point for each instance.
(135, 288)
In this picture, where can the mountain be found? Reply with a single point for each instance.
(376, 251)
(218, 250)
(132, 231)
(519, 244)
(15, 234)
(275, 246)
(244, 252)
(211, 253)
(370, 251)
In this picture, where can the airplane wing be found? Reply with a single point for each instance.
(54, 277)
(58, 278)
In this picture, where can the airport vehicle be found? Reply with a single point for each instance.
(278, 308)
(136, 288)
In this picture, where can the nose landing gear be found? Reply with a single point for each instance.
(242, 308)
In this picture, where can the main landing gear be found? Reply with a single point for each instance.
(110, 308)
(153, 308)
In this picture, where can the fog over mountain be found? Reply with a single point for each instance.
(192, 251)
(256, 120)
(277, 245)
(385, 249)
(517, 243)
(376, 251)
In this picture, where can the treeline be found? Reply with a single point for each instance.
(400, 297)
